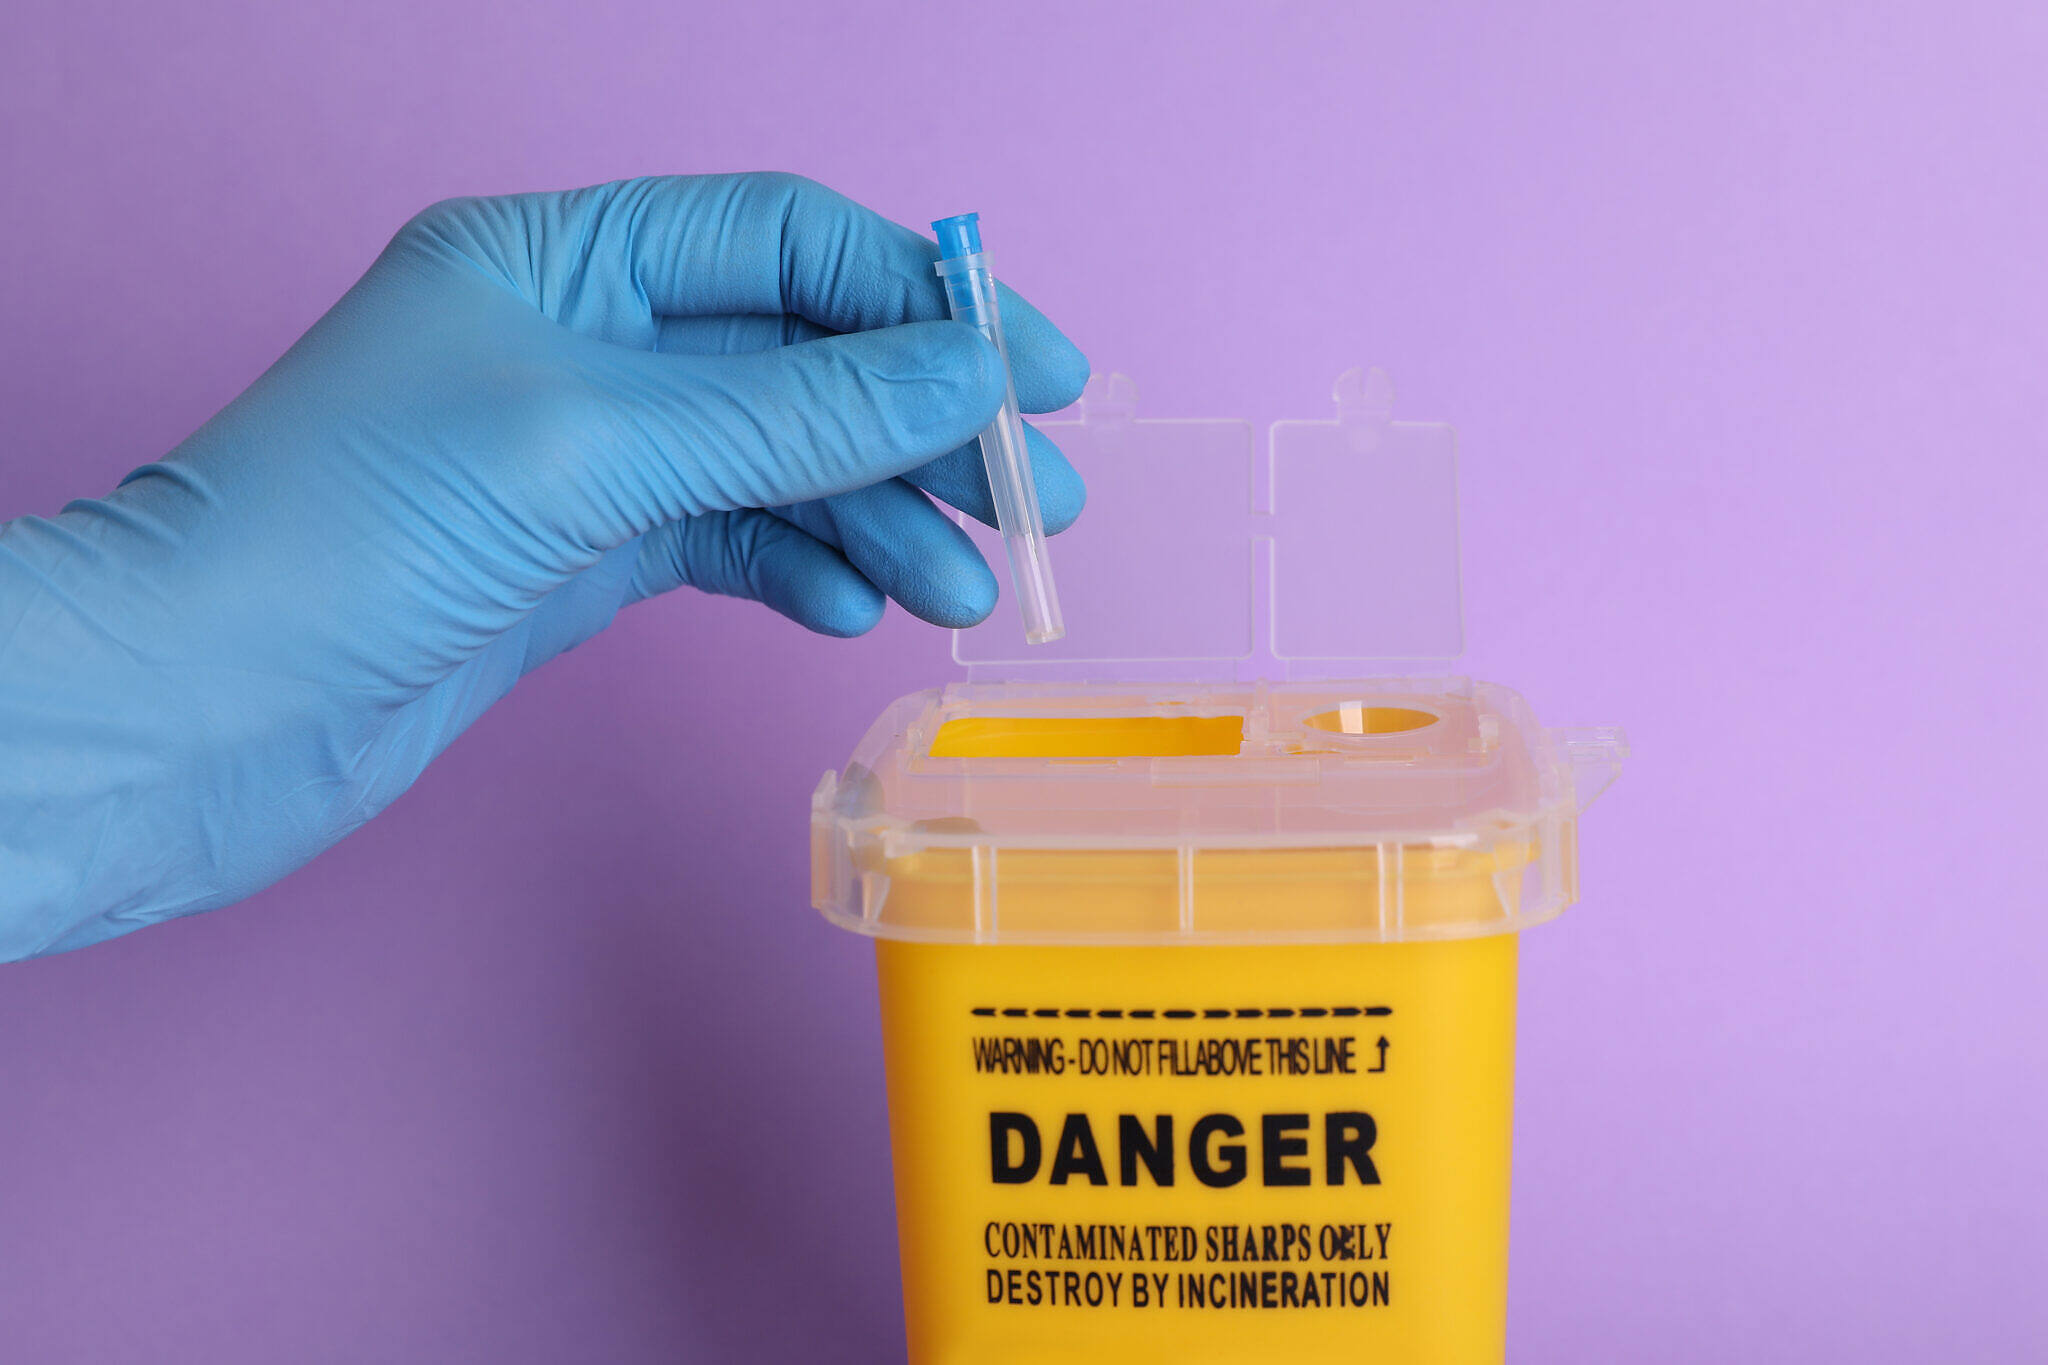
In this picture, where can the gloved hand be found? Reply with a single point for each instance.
(530, 412)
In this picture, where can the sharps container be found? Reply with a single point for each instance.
(1197, 929)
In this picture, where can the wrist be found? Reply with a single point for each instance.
(92, 819)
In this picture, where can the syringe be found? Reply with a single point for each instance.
(971, 295)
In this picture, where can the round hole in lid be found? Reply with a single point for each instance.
(1362, 718)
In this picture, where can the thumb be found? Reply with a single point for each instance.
(697, 434)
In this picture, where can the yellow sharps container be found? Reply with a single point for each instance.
(1196, 931)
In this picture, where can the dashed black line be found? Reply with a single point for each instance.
(1247, 1012)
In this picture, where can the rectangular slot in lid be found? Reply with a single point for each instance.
(1088, 737)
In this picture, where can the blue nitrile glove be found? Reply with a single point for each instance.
(530, 412)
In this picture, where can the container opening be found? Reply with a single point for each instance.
(1357, 718)
(1089, 736)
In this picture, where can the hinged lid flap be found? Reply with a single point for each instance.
(1161, 576)
(1365, 534)
(1156, 576)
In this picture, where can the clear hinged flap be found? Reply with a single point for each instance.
(1161, 574)
(1365, 534)
(1158, 570)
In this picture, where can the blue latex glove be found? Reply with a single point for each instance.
(529, 413)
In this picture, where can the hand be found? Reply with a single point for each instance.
(529, 413)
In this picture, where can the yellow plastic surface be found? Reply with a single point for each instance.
(1417, 1036)
(1087, 736)
(1361, 718)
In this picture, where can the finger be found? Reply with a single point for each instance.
(1039, 388)
(774, 244)
(906, 547)
(755, 555)
(960, 478)
(1049, 370)
(957, 477)
(733, 333)
(681, 435)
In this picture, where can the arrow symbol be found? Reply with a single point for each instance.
(1380, 1065)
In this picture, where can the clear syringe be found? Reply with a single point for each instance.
(971, 295)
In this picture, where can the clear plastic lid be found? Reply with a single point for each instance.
(1200, 760)
(1196, 541)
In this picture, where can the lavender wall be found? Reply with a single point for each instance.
(1741, 312)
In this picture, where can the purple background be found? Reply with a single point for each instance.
(1741, 313)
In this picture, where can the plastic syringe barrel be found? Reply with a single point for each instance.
(971, 297)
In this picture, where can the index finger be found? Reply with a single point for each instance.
(771, 244)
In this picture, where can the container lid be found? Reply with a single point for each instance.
(1204, 556)
(1216, 753)
(1359, 810)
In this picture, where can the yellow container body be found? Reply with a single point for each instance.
(1201, 1153)
(1198, 1008)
